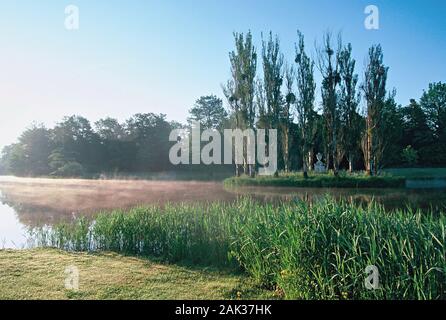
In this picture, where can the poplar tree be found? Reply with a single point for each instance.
(374, 88)
(240, 90)
(329, 68)
(349, 98)
(306, 88)
(290, 100)
(272, 81)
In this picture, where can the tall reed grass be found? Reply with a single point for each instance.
(307, 251)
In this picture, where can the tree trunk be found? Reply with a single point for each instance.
(304, 166)
(245, 167)
(310, 160)
(375, 166)
(327, 159)
(335, 158)
(252, 171)
(237, 170)
(335, 163)
(285, 152)
(350, 162)
(369, 146)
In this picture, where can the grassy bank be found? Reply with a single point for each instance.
(307, 251)
(417, 173)
(40, 274)
(319, 181)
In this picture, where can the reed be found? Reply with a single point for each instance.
(306, 251)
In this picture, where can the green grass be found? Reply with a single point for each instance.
(344, 180)
(304, 251)
(417, 172)
(40, 274)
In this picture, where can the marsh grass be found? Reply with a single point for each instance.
(306, 251)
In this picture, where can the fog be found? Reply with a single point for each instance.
(89, 196)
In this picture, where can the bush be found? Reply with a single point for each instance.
(410, 156)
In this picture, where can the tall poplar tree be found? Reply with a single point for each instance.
(306, 88)
(374, 89)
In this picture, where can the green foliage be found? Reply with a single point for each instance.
(306, 87)
(240, 89)
(307, 251)
(351, 123)
(329, 69)
(321, 251)
(433, 104)
(375, 91)
(209, 112)
(29, 156)
(140, 144)
(410, 156)
(73, 148)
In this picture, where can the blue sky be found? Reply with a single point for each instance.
(160, 56)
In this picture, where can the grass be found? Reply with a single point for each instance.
(40, 274)
(302, 250)
(417, 173)
(388, 178)
(314, 180)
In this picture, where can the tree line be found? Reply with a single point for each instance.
(357, 125)
(75, 148)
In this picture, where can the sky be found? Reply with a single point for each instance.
(138, 56)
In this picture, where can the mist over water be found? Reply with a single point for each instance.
(26, 203)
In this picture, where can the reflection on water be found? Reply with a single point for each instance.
(426, 199)
(12, 233)
(26, 203)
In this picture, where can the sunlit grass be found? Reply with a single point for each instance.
(40, 274)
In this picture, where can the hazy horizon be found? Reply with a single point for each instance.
(160, 56)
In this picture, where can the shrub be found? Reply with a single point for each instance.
(410, 156)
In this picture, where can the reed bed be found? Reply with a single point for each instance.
(303, 251)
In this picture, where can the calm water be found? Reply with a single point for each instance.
(27, 203)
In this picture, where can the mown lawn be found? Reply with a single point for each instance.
(40, 274)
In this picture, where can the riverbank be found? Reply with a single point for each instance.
(304, 251)
(40, 274)
(318, 181)
(390, 178)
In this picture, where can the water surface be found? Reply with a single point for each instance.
(27, 203)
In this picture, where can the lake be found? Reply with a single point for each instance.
(26, 203)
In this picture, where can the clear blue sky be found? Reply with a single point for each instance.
(160, 56)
